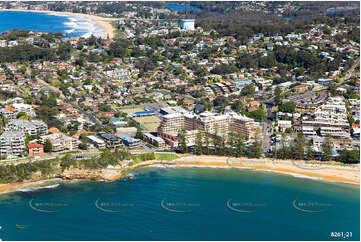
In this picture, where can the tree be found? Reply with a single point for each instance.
(288, 107)
(48, 146)
(278, 97)
(285, 151)
(182, 145)
(310, 153)
(300, 146)
(349, 156)
(83, 146)
(240, 146)
(199, 144)
(255, 150)
(237, 106)
(332, 89)
(248, 90)
(258, 115)
(327, 149)
(205, 148)
(224, 69)
(139, 134)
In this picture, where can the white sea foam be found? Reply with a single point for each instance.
(31, 189)
(241, 168)
(81, 26)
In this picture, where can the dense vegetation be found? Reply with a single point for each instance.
(54, 167)
(25, 53)
(208, 144)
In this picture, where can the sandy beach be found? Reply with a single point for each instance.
(104, 23)
(335, 173)
(13, 187)
(328, 172)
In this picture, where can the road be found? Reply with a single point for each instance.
(88, 115)
(267, 130)
(350, 71)
(51, 87)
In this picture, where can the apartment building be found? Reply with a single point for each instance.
(129, 141)
(244, 126)
(331, 113)
(170, 126)
(284, 124)
(335, 132)
(12, 144)
(25, 108)
(111, 140)
(60, 142)
(35, 149)
(98, 143)
(154, 140)
(8, 114)
(308, 130)
(214, 124)
(31, 127)
(329, 119)
(173, 123)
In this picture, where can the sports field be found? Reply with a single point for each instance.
(149, 123)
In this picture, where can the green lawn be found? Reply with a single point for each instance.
(166, 156)
(154, 156)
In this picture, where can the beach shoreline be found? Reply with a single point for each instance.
(104, 23)
(333, 173)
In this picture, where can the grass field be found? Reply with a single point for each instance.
(166, 156)
(154, 156)
(150, 123)
(132, 110)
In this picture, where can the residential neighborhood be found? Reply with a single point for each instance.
(179, 84)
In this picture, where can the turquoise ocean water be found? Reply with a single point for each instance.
(185, 204)
(42, 22)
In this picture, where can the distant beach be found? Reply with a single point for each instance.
(104, 23)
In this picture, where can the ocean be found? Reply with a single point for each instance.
(185, 204)
(72, 26)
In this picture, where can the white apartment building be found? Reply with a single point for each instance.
(308, 130)
(335, 132)
(12, 144)
(173, 123)
(26, 108)
(60, 142)
(33, 127)
(8, 114)
(97, 142)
